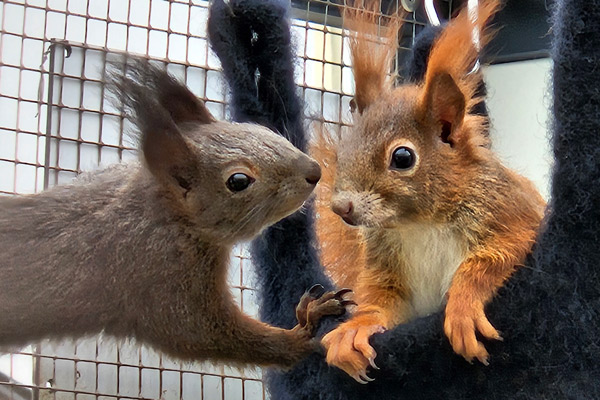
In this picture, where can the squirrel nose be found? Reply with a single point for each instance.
(344, 209)
(314, 173)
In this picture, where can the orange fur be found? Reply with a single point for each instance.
(342, 249)
(486, 269)
(373, 45)
(455, 224)
(444, 57)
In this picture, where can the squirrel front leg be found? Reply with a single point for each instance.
(474, 284)
(250, 341)
(382, 303)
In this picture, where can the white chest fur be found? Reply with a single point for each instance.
(431, 254)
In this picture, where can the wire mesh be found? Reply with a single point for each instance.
(56, 122)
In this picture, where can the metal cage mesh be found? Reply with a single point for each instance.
(56, 122)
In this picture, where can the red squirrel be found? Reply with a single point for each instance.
(415, 212)
(142, 249)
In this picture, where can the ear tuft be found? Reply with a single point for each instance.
(450, 88)
(139, 75)
(157, 104)
(373, 46)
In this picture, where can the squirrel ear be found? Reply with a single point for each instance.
(352, 105)
(180, 102)
(373, 41)
(444, 102)
(450, 89)
(165, 151)
(158, 104)
(164, 147)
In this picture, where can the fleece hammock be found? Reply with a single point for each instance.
(549, 311)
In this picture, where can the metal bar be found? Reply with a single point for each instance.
(50, 99)
(73, 391)
(36, 372)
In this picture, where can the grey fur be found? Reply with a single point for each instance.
(142, 249)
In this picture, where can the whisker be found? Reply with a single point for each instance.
(251, 214)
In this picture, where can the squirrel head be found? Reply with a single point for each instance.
(412, 148)
(227, 181)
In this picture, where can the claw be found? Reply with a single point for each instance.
(372, 363)
(348, 303)
(340, 293)
(358, 378)
(316, 291)
(366, 378)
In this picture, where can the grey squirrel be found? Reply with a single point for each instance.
(142, 249)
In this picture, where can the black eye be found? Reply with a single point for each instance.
(238, 182)
(403, 158)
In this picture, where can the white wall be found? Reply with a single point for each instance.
(519, 103)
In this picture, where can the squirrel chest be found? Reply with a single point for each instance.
(426, 256)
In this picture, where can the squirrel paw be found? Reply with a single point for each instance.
(462, 323)
(348, 348)
(316, 304)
